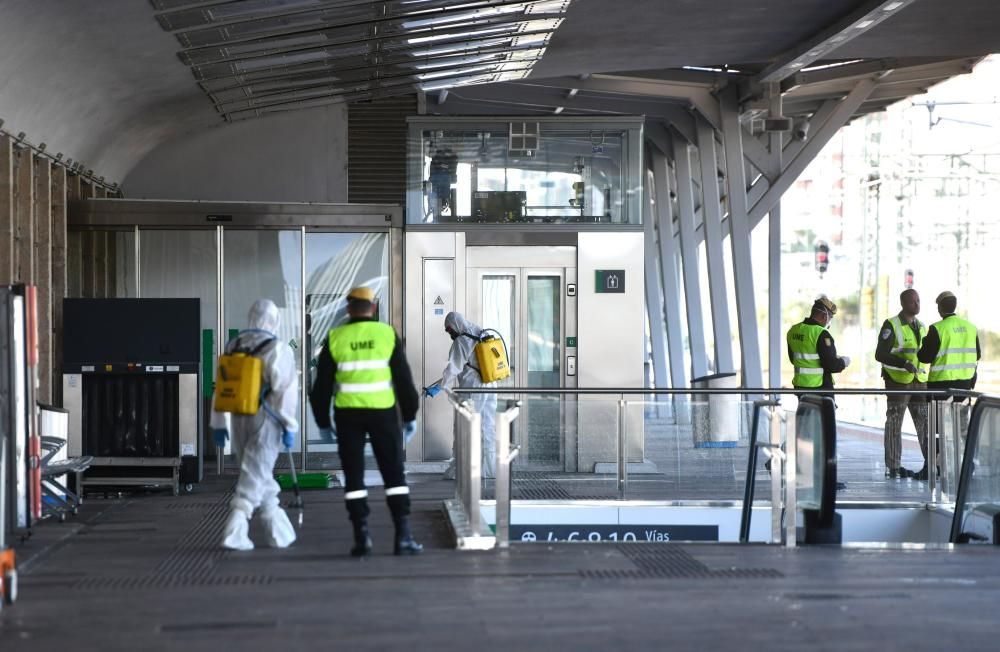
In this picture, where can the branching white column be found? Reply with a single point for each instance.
(668, 268)
(739, 238)
(689, 258)
(654, 294)
(712, 220)
(774, 326)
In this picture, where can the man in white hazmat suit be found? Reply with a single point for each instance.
(463, 368)
(257, 438)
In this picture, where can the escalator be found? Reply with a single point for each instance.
(974, 517)
(977, 504)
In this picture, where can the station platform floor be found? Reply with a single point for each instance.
(145, 572)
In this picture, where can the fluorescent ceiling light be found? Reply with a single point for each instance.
(836, 64)
(451, 62)
(464, 46)
(547, 7)
(892, 6)
(532, 39)
(465, 81)
(863, 24)
(470, 35)
(454, 71)
(728, 71)
(474, 15)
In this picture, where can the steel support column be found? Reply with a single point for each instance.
(689, 258)
(845, 109)
(739, 239)
(774, 326)
(711, 212)
(668, 268)
(654, 293)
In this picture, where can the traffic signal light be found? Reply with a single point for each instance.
(822, 254)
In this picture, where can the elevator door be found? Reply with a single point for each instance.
(528, 306)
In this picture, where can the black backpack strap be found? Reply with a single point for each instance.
(263, 345)
(475, 339)
(257, 350)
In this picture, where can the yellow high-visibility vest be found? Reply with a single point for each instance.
(361, 351)
(802, 341)
(956, 359)
(906, 346)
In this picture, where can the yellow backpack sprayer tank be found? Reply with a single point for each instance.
(491, 354)
(238, 382)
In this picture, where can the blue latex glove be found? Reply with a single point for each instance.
(288, 439)
(433, 390)
(409, 429)
(328, 435)
(220, 436)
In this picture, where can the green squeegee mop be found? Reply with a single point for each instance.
(311, 480)
(296, 481)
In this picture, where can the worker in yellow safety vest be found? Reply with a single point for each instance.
(364, 361)
(951, 348)
(898, 342)
(812, 351)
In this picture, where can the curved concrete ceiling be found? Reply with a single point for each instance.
(98, 81)
(102, 83)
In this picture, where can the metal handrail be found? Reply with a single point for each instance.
(748, 487)
(468, 471)
(632, 391)
(783, 481)
(505, 456)
(468, 457)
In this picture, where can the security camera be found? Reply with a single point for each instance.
(800, 129)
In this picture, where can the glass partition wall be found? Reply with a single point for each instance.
(228, 268)
(521, 170)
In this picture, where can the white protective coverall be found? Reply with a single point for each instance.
(463, 369)
(256, 439)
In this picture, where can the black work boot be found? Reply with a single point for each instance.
(405, 545)
(362, 541)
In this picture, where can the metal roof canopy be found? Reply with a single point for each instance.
(62, 63)
(258, 56)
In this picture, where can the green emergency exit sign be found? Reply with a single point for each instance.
(610, 281)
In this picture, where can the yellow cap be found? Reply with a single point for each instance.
(361, 294)
(944, 295)
(827, 305)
